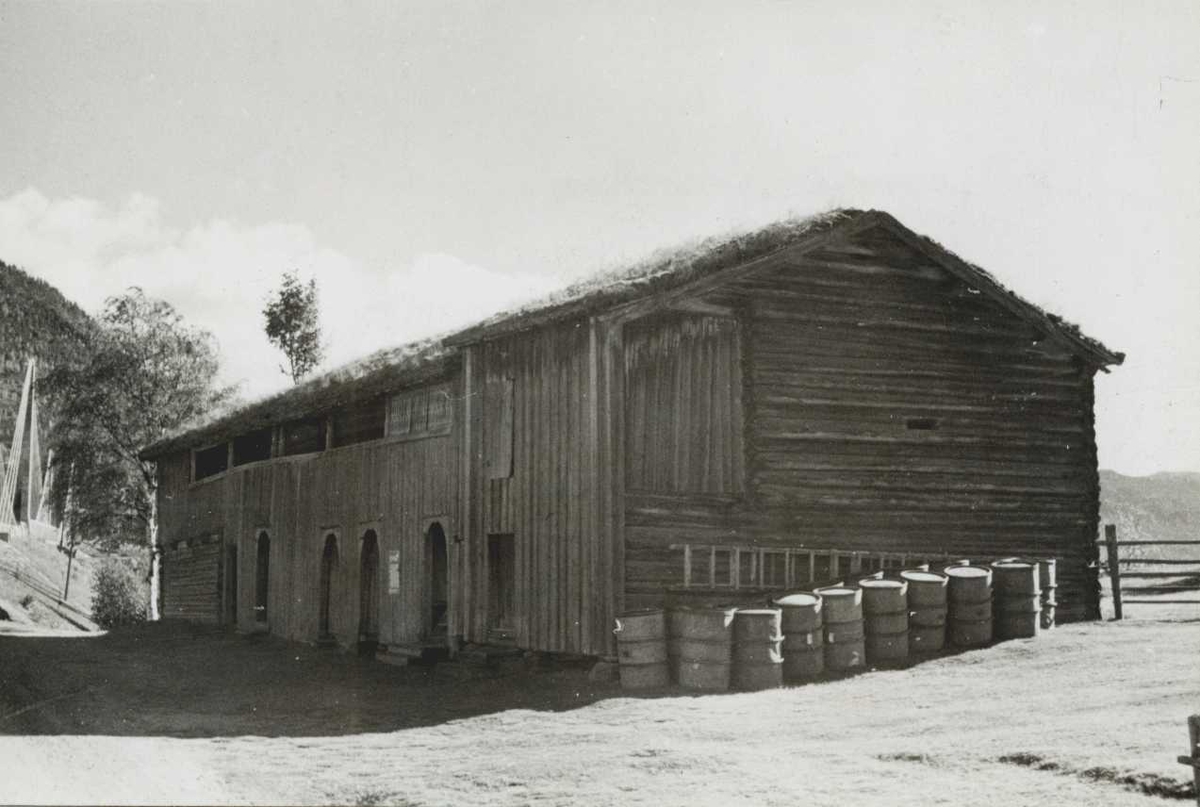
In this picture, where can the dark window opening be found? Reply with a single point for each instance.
(262, 577)
(304, 437)
(921, 424)
(252, 447)
(211, 461)
(358, 423)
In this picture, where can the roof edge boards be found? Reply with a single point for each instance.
(1100, 355)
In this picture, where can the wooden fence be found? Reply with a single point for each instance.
(1180, 582)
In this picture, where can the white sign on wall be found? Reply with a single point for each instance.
(394, 571)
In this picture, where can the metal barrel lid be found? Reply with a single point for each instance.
(802, 599)
(967, 571)
(875, 583)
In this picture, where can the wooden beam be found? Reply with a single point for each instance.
(1114, 567)
(700, 307)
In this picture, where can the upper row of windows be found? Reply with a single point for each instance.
(416, 413)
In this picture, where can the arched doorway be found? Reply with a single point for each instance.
(329, 561)
(439, 581)
(262, 576)
(368, 589)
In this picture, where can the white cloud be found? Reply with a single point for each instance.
(218, 275)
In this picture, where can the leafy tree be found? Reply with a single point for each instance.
(292, 323)
(143, 374)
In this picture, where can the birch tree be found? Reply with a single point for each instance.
(143, 374)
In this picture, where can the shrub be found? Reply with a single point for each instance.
(116, 597)
(27, 601)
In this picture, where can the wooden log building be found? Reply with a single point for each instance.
(740, 417)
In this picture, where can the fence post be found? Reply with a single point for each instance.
(1114, 567)
(1193, 757)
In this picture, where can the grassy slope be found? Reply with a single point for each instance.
(1059, 720)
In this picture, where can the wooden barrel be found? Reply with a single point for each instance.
(969, 596)
(802, 623)
(701, 647)
(842, 604)
(844, 634)
(970, 611)
(1014, 576)
(968, 584)
(928, 609)
(878, 624)
(799, 665)
(884, 597)
(962, 633)
(800, 612)
(926, 589)
(927, 638)
(1018, 624)
(642, 649)
(885, 611)
(757, 656)
(1018, 616)
(841, 657)
(927, 617)
(1018, 601)
(887, 647)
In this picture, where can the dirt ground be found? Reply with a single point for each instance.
(1087, 714)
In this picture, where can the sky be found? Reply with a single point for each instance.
(431, 163)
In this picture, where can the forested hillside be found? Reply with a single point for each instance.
(35, 319)
(1162, 507)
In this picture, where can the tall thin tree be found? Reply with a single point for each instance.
(293, 324)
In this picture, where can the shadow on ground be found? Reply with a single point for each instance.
(175, 680)
(179, 681)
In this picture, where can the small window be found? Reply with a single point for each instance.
(304, 436)
(420, 413)
(252, 447)
(360, 422)
(211, 461)
(921, 424)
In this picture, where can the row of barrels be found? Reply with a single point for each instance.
(836, 628)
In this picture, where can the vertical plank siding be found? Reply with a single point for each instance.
(549, 503)
(394, 487)
(888, 407)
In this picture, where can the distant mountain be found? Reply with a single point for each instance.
(35, 320)
(1160, 507)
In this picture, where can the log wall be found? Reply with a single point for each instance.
(889, 407)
